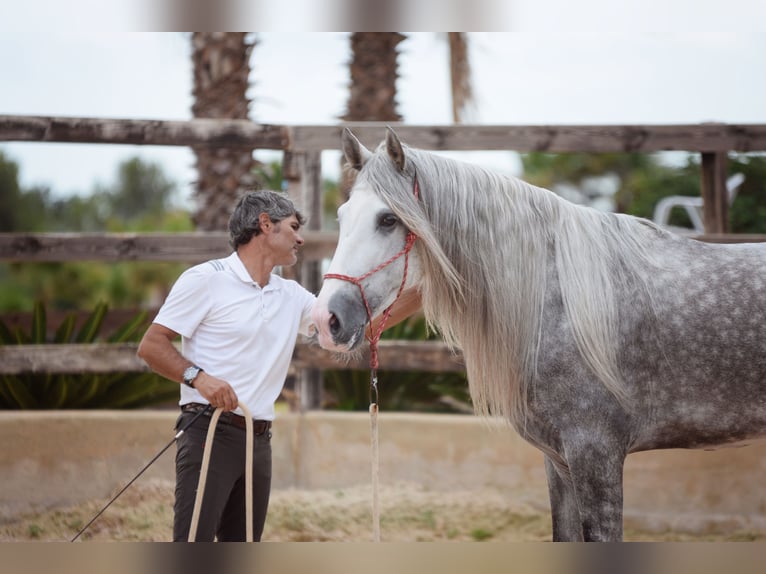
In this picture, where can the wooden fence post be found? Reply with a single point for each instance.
(303, 175)
(715, 196)
(310, 382)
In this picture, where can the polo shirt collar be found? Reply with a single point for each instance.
(236, 265)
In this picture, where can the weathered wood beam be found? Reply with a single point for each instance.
(553, 139)
(182, 247)
(432, 356)
(731, 238)
(74, 358)
(197, 132)
(709, 137)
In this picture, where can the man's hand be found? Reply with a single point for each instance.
(217, 391)
(157, 350)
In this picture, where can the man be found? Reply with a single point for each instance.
(239, 323)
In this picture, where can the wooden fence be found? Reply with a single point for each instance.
(304, 144)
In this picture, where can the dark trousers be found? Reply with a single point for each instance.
(222, 515)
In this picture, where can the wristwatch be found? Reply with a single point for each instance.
(190, 374)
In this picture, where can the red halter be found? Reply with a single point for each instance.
(373, 338)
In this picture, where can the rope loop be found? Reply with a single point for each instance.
(249, 442)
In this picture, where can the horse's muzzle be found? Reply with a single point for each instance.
(340, 324)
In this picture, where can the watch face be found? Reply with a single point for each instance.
(190, 373)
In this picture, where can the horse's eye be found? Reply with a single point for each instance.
(387, 221)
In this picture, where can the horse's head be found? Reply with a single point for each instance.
(373, 261)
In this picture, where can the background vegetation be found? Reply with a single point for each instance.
(142, 198)
(80, 391)
(639, 181)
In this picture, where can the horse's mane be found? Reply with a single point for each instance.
(486, 242)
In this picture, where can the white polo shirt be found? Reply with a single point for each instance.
(237, 331)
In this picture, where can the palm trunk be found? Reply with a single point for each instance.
(460, 75)
(372, 93)
(221, 79)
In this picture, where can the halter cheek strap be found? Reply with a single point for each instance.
(373, 338)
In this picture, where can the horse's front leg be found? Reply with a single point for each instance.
(596, 471)
(565, 515)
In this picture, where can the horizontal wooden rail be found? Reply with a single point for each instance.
(706, 137)
(197, 132)
(731, 238)
(547, 138)
(432, 356)
(182, 247)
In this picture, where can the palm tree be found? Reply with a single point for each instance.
(374, 71)
(373, 67)
(221, 62)
(372, 92)
(460, 75)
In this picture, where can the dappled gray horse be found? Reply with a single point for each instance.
(595, 335)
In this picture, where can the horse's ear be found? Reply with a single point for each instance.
(394, 149)
(356, 154)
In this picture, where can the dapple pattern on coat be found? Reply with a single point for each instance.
(594, 334)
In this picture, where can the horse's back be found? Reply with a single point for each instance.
(696, 345)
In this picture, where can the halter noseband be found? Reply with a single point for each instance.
(409, 241)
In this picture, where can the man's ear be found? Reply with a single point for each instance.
(265, 222)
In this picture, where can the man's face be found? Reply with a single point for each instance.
(285, 241)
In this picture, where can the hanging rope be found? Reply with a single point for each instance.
(249, 441)
(375, 472)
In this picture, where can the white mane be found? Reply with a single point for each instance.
(486, 243)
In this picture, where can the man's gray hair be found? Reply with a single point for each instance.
(244, 224)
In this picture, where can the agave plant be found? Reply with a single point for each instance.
(85, 390)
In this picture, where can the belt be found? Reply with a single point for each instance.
(259, 427)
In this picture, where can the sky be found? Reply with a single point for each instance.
(550, 71)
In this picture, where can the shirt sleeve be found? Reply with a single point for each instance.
(307, 299)
(187, 303)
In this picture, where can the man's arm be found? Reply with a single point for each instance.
(157, 350)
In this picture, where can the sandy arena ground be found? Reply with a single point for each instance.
(409, 513)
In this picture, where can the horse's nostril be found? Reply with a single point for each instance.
(334, 324)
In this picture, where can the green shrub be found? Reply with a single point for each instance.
(86, 390)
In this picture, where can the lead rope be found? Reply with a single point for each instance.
(374, 398)
(375, 470)
(373, 339)
(249, 441)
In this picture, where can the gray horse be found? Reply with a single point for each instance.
(595, 335)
